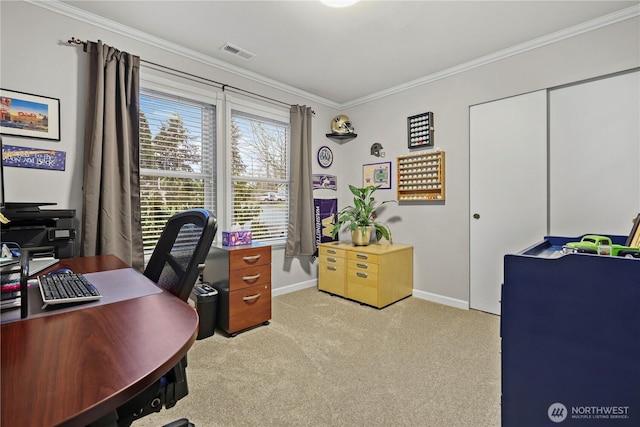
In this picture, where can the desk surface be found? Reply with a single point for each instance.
(71, 368)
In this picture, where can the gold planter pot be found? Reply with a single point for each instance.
(358, 238)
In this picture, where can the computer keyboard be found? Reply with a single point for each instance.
(64, 288)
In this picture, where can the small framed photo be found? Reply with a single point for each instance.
(32, 116)
(377, 174)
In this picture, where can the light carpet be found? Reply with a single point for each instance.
(328, 361)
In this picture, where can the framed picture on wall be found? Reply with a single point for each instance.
(28, 115)
(377, 174)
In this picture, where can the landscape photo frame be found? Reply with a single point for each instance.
(28, 115)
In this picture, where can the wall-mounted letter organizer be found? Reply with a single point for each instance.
(420, 130)
(421, 177)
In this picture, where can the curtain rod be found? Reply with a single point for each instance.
(182, 74)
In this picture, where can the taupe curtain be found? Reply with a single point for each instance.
(111, 186)
(301, 231)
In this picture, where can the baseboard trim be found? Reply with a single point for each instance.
(292, 288)
(452, 302)
(464, 305)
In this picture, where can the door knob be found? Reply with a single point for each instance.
(476, 216)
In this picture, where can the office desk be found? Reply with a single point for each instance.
(73, 367)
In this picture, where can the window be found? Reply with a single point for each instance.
(259, 171)
(177, 158)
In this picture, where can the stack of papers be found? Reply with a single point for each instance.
(10, 278)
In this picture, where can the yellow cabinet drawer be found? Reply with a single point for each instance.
(331, 277)
(329, 251)
(332, 259)
(363, 266)
(363, 256)
(362, 287)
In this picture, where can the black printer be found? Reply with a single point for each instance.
(31, 226)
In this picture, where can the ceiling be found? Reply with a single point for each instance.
(345, 54)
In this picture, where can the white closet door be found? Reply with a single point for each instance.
(595, 156)
(508, 188)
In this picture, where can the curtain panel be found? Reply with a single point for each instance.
(301, 240)
(111, 186)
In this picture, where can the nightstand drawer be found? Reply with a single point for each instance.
(249, 307)
(249, 257)
(251, 276)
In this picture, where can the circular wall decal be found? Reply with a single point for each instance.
(325, 156)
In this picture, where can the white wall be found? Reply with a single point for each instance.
(36, 58)
(440, 232)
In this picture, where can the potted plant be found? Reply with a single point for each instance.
(361, 217)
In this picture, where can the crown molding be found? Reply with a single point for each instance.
(81, 15)
(594, 24)
(92, 19)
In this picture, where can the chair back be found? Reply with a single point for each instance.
(178, 258)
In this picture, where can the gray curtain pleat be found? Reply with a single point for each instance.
(111, 186)
(301, 238)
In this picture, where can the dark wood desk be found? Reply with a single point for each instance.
(71, 368)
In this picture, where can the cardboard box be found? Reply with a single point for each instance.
(235, 238)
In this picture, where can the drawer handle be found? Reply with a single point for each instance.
(332, 267)
(360, 274)
(251, 258)
(252, 297)
(248, 278)
(362, 256)
(331, 251)
(361, 265)
(331, 259)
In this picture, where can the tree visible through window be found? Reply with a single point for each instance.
(177, 139)
(259, 174)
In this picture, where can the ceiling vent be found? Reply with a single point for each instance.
(235, 50)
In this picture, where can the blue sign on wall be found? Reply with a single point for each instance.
(25, 157)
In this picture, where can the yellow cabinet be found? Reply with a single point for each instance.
(378, 274)
(331, 270)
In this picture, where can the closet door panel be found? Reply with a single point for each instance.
(595, 156)
(508, 188)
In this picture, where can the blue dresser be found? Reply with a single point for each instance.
(570, 329)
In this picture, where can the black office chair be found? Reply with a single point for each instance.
(176, 262)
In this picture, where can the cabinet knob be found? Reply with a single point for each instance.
(476, 216)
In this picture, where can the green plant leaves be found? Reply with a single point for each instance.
(362, 213)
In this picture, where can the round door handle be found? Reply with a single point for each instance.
(476, 216)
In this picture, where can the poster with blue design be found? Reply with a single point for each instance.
(26, 157)
(325, 211)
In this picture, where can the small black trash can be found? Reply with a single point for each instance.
(205, 298)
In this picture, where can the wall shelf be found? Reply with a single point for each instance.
(340, 137)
